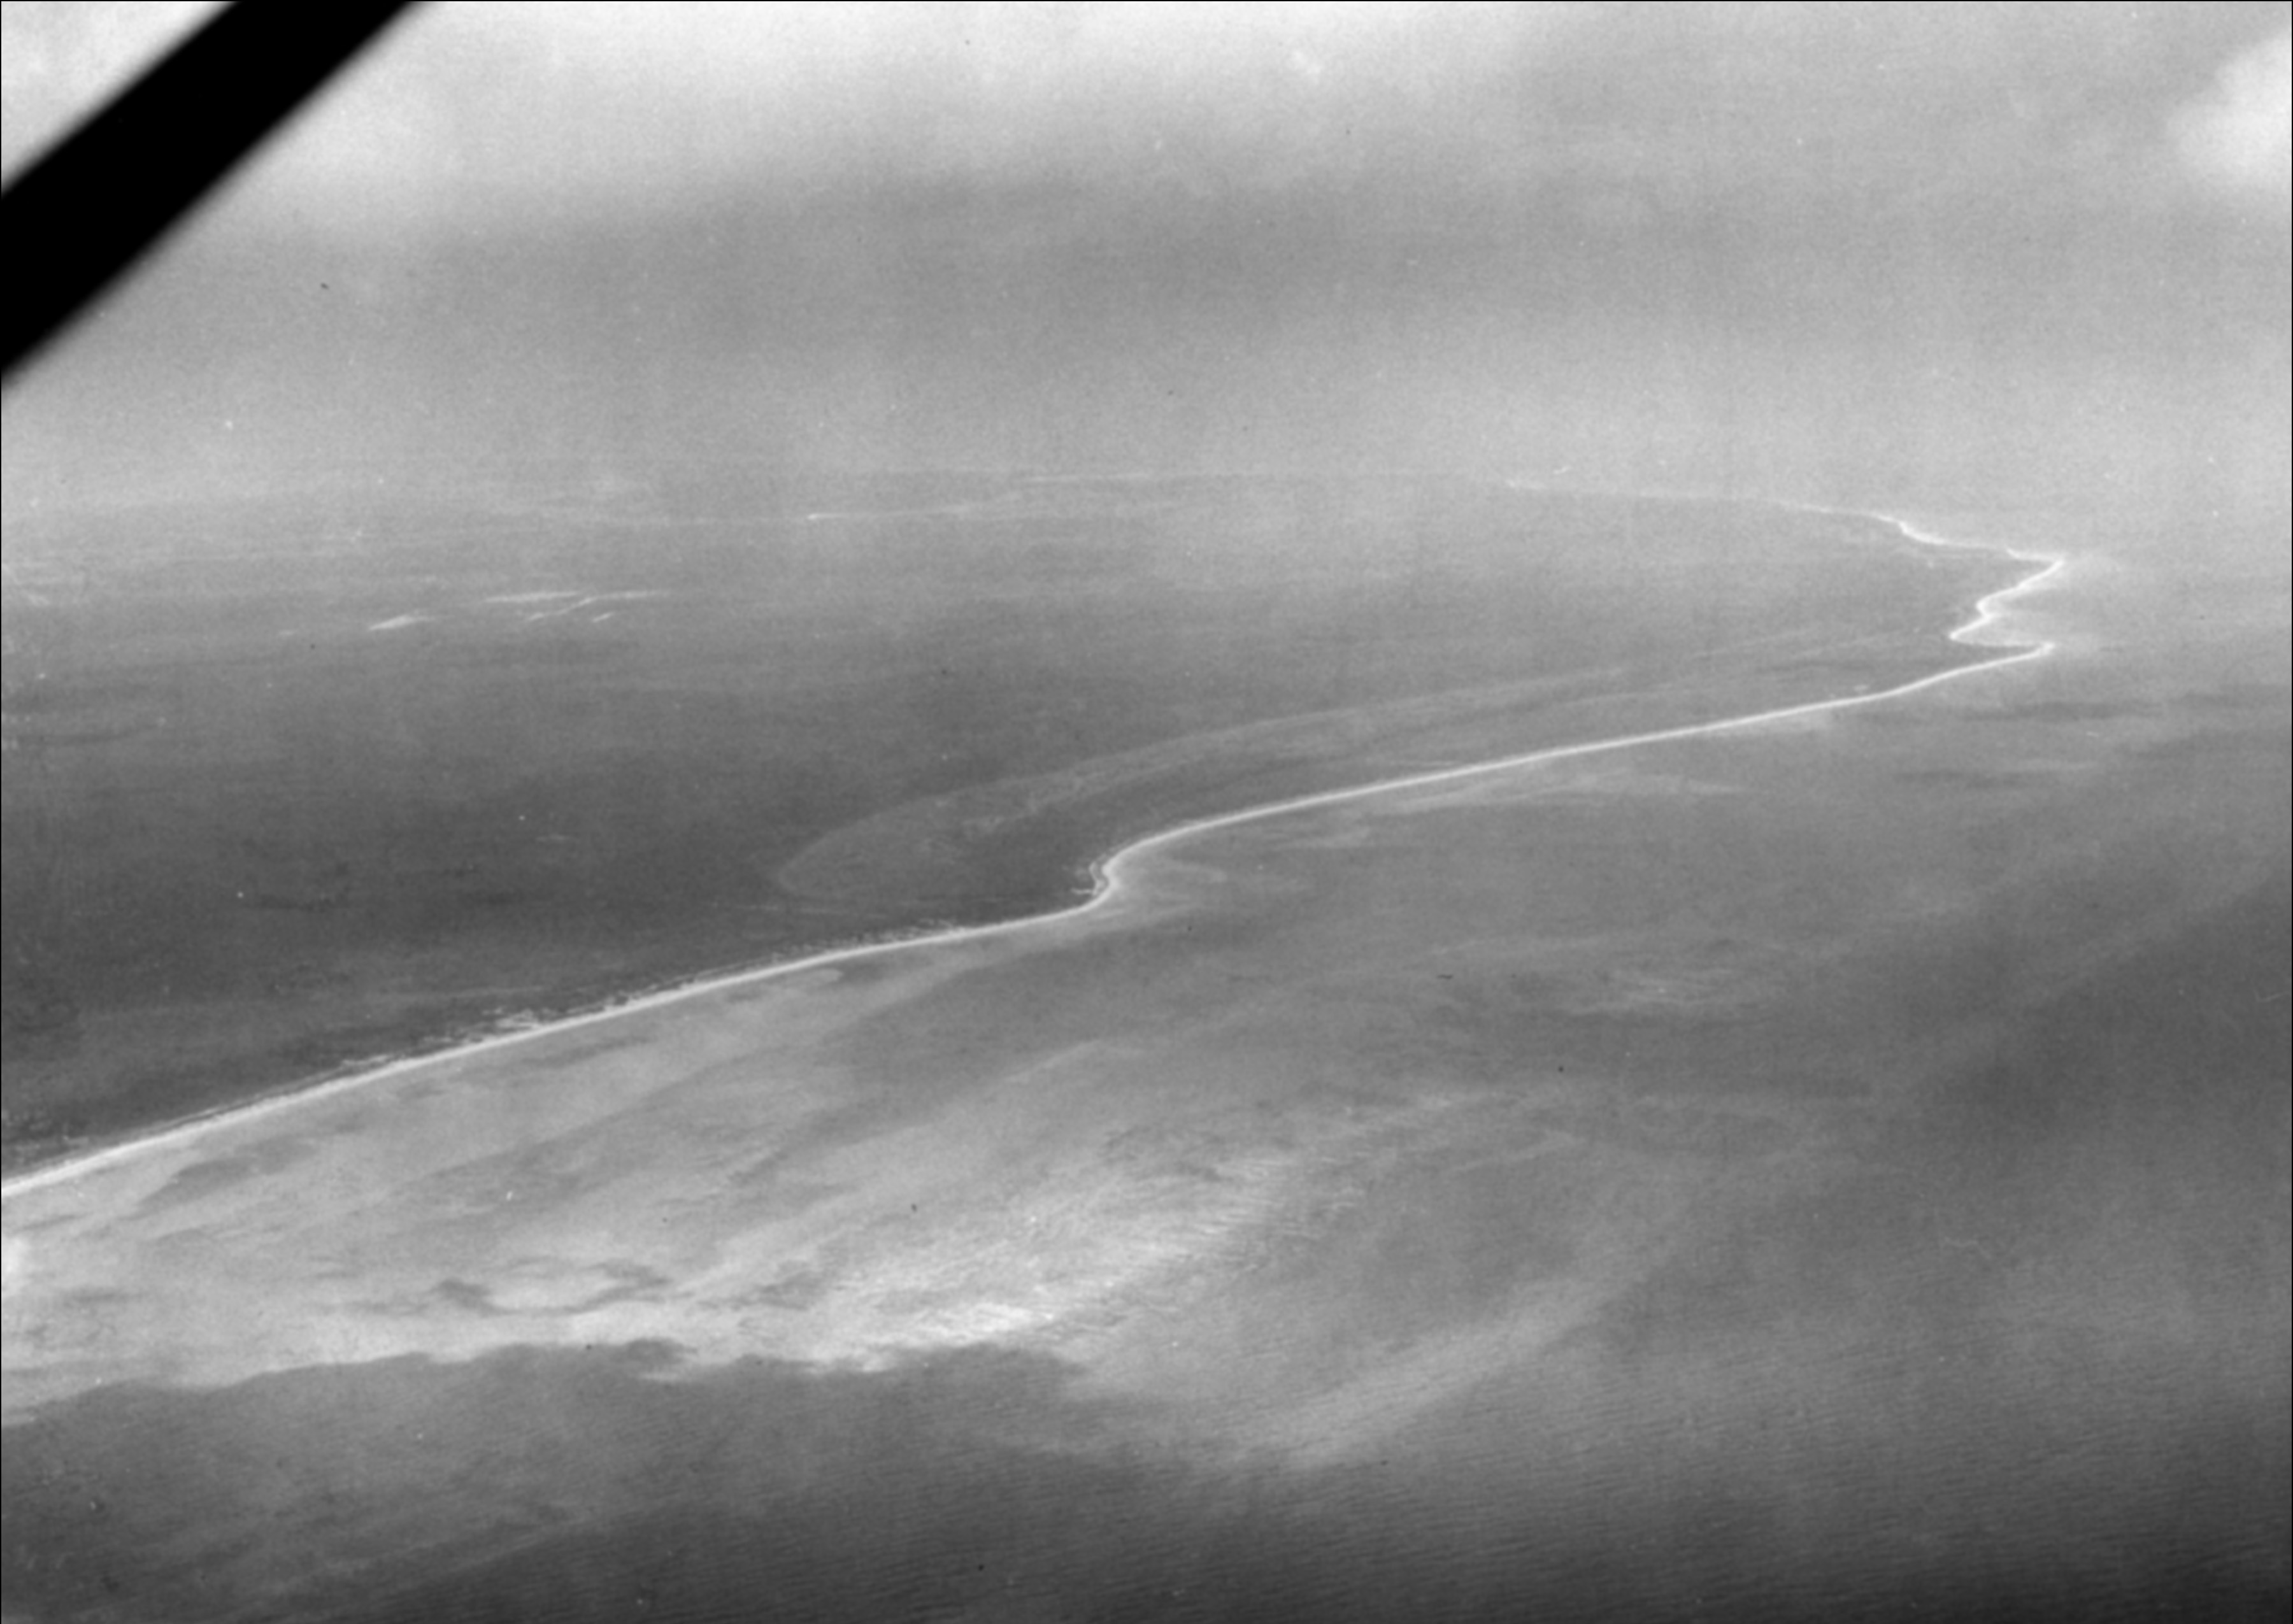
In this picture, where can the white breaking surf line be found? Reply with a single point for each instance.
(1108, 884)
(1986, 614)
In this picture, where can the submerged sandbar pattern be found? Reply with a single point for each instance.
(1722, 1161)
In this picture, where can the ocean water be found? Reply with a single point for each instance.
(1833, 1169)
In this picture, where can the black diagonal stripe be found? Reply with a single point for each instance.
(82, 213)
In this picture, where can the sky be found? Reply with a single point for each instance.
(1837, 252)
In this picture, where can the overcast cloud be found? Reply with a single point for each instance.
(547, 109)
(1767, 246)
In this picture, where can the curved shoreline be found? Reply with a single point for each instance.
(1106, 873)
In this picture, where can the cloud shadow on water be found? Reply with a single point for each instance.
(619, 1481)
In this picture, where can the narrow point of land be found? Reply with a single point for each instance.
(1108, 884)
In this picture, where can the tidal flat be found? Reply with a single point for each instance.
(1834, 1167)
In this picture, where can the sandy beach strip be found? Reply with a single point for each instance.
(1111, 881)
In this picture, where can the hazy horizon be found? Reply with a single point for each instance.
(1654, 1043)
(1823, 253)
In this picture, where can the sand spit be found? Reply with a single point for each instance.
(1114, 877)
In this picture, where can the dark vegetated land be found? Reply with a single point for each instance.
(299, 781)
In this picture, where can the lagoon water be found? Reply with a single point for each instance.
(1832, 1166)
